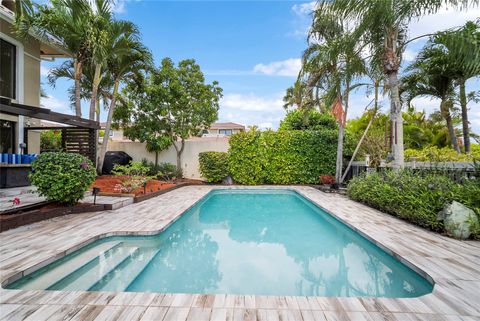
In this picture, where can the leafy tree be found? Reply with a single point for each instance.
(174, 104)
(383, 27)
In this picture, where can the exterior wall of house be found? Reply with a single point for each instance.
(216, 131)
(28, 83)
(190, 163)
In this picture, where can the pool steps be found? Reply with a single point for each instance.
(119, 278)
(87, 275)
(51, 276)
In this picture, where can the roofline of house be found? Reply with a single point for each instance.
(9, 16)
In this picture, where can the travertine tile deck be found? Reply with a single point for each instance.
(453, 265)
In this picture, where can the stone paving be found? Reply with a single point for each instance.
(452, 265)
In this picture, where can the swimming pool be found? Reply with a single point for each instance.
(265, 242)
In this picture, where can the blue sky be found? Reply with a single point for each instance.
(252, 48)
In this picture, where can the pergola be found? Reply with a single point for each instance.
(79, 137)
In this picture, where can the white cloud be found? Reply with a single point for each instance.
(409, 55)
(44, 71)
(289, 67)
(445, 18)
(251, 109)
(55, 104)
(304, 8)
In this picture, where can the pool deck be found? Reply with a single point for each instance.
(453, 265)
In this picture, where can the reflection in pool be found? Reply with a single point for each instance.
(266, 242)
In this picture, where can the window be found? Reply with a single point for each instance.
(226, 132)
(7, 137)
(8, 57)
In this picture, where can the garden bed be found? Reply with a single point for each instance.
(108, 183)
(45, 212)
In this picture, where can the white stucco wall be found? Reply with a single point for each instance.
(193, 147)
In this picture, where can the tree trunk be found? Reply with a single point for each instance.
(179, 153)
(444, 109)
(463, 104)
(341, 134)
(103, 148)
(156, 158)
(96, 83)
(396, 120)
(78, 76)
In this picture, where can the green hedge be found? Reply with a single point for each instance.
(213, 166)
(62, 177)
(283, 157)
(413, 197)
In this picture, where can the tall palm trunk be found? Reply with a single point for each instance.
(396, 120)
(463, 104)
(103, 148)
(78, 66)
(96, 83)
(445, 110)
(341, 134)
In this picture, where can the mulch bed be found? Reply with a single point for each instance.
(107, 184)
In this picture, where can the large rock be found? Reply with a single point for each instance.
(457, 219)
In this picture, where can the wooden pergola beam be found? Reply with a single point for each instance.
(7, 107)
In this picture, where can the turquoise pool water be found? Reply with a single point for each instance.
(265, 242)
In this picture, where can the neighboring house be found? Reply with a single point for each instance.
(20, 80)
(224, 129)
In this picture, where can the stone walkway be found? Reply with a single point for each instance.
(453, 265)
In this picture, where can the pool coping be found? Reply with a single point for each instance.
(447, 305)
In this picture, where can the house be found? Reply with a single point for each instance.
(224, 129)
(20, 81)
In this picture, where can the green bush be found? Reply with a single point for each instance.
(62, 177)
(164, 171)
(445, 154)
(213, 166)
(283, 157)
(307, 120)
(412, 196)
(50, 140)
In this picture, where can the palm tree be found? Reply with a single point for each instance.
(462, 48)
(331, 63)
(128, 60)
(384, 26)
(430, 76)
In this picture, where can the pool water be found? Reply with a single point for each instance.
(264, 242)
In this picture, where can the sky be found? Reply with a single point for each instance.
(252, 48)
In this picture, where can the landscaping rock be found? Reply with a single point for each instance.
(457, 219)
(227, 181)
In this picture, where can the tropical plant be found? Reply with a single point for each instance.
(134, 176)
(331, 63)
(462, 51)
(127, 63)
(383, 27)
(429, 76)
(50, 140)
(62, 177)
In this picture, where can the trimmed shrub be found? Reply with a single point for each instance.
(283, 157)
(445, 154)
(62, 177)
(307, 120)
(213, 166)
(414, 197)
(165, 171)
